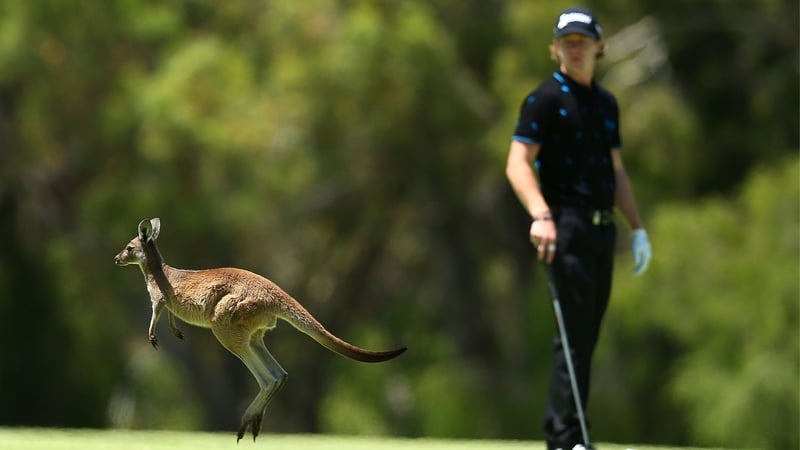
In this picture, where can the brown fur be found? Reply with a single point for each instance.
(238, 306)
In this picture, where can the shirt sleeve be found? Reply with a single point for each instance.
(532, 123)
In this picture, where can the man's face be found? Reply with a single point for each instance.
(578, 52)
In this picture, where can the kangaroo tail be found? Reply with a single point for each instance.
(301, 319)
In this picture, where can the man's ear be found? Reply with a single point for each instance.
(149, 228)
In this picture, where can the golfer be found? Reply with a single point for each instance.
(565, 165)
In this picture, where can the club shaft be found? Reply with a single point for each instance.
(567, 353)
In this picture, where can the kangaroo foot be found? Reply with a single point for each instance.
(254, 423)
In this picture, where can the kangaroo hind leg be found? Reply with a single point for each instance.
(267, 372)
(265, 364)
(275, 370)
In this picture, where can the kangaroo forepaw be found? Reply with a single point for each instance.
(154, 341)
(254, 423)
(177, 333)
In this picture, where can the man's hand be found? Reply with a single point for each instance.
(543, 236)
(641, 251)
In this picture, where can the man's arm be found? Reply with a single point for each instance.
(522, 178)
(624, 199)
(520, 174)
(626, 204)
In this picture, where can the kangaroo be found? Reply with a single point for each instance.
(239, 307)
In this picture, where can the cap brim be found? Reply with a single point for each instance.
(576, 29)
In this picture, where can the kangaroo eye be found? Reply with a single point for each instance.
(130, 247)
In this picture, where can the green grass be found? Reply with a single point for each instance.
(85, 439)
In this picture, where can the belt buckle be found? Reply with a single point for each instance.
(597, 217)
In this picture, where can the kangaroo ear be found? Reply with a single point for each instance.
(156, 224)
(145, 230)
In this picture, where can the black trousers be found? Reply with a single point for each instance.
(582, 270)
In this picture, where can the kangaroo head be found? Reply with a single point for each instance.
(134, 253)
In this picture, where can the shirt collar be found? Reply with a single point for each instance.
(565, 80)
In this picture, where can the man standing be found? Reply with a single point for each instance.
(569, 129)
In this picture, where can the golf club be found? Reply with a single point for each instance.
(567, 355)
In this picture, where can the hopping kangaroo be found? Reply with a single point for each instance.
(239, 307)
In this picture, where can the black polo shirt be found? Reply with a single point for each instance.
(576, 127)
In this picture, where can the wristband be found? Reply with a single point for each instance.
(542, 216)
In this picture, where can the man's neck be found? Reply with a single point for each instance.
(583, 78)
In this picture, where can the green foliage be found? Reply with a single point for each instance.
(353, 152)
(723, 290)
(153, 394)
(750, 353)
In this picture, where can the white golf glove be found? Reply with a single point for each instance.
(641, 251)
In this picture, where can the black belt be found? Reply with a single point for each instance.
(595, 216)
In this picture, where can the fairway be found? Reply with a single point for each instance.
(85, 439)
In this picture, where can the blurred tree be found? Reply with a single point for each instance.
(723, 302)
(732, 63)
(54, 77)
